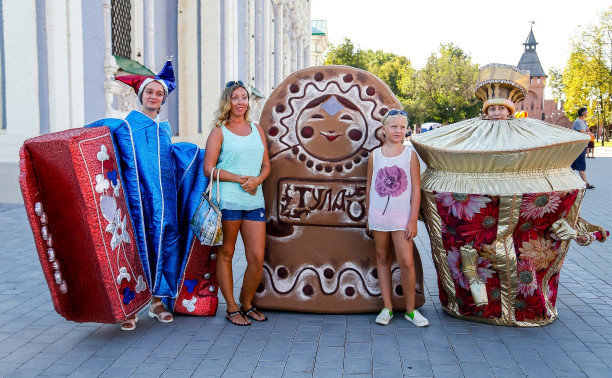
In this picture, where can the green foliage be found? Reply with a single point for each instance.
(346, 54)
(586, 79)
(446, 86)
(443, 91)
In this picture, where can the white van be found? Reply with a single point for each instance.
(428, 126)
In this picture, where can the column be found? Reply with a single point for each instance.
(151, 35)
(187, 72)
(210, 64)
(278, 43)
(20, 69)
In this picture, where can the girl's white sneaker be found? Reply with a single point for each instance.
(384, 317)
(418, 320)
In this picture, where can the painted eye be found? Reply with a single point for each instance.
(355, 134)
(347, 117)
(317, 116)
(307, 132)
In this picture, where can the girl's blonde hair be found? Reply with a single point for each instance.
(225, 105)
(393, 113)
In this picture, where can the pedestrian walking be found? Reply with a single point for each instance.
(580, 163)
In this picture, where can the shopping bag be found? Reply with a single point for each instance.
(206, 222)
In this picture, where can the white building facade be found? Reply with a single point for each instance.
(57, 60)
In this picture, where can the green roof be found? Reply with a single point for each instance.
(318, 27)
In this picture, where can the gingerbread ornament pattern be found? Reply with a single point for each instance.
(322, 124)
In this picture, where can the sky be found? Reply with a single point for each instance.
(489, 31)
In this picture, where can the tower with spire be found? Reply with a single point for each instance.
(535, 104)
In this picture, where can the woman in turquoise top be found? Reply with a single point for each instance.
(238, 149)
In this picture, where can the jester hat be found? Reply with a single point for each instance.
(165, 77)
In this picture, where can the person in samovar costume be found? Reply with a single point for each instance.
(501, 204)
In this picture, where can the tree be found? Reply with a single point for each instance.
(443, 91)
(446, 86)
(346, 54)
(586, 79)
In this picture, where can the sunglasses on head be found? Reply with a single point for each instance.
(232, 83)
(396, 112)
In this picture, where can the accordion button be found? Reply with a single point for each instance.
(38, 208)
(58, 277)
(56, 265)
(44, 232)
(207, 276)
(213, 256)
(43, 218)
(49, 241)
(51, 254)
(63, 288)
(211, 288)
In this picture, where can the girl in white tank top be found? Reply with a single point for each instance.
(393, 201)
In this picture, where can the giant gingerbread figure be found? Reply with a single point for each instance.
(321, 124)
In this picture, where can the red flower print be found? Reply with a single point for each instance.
(568, 202)
(540, 251)
(390, 182)
(450, 235)
(462, 205)
(466, 303)
(493, 308)
(528, 229)
(482, 229)
(536, 205)
(529, 307)
(526, 275)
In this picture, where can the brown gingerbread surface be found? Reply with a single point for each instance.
(321, 124)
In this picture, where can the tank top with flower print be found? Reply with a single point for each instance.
(390, 191)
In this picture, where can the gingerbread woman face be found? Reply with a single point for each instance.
(331, 121)
(322, 124)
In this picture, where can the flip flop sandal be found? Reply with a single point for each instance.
(131, 323)
(231, 314)
(162, 315)
(254, 310)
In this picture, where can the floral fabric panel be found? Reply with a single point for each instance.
(537, 249)
(470, 219)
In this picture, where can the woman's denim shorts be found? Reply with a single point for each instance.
(258, 215)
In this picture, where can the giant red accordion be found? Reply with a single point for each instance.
(74, 197)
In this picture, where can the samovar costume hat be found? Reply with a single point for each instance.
(501, 84)
(165, 77)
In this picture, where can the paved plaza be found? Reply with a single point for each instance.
(35, 340)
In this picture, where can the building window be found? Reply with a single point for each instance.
(543, 116)
(532, 105)
(121, 28)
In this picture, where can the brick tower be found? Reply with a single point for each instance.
(535, 104)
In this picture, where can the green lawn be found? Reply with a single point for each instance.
(606, 144)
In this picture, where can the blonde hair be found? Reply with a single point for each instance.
(225, 105)
(387, 117)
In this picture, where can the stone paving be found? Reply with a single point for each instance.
(34, 340)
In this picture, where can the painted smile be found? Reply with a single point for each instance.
(331, 136)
